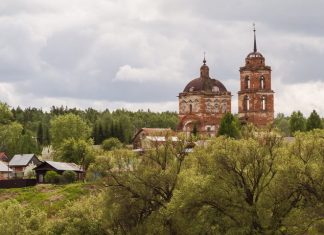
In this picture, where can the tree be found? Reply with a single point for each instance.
(259, 185)
(229, 126)
(10, 134)
(297, 122)
(314, 121)
(139, 186)
(68, 126)
(76, 151)
(6, 115)
(282, 123)
(40, 134)
(111, 144)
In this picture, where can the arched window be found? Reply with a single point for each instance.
(246, 103)
(263, 103)
(224, 106)
(190, 108)
(247, 82)
(262, 82)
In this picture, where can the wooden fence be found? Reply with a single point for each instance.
(17, 183)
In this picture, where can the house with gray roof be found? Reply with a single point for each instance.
(5, 171)
(58, 167)
(20, 162)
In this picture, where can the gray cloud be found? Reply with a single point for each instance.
(145, 52)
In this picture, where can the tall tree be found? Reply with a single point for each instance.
(297, 122)
(314, 121)
(68, 126)
(40, 134)
(229, 126)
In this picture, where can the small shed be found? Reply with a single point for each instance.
(58, 167)
(5, 171)
(20, 162)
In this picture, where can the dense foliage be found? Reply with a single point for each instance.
(28, 130)
(259, 184)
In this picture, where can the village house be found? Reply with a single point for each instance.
(147, 138)
(20, 162)
(5, 171)
(58, 167)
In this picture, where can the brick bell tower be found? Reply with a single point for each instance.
(255, 98)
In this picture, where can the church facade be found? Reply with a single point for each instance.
(202, 104)
(256, 97)
(205, 100)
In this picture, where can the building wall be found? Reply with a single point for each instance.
(206, 112)
(258, 112)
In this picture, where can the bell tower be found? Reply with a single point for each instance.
(255, 98)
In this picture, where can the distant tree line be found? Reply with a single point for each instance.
(27, 130)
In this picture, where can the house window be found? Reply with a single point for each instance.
(262, 82)
(246, 103)
(247, 82)
(263, 103)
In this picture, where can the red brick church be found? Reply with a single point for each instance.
(205, 100)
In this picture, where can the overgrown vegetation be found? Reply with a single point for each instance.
(258, 184)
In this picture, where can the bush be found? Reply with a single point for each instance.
(69, 176)
(52, 177)
(111, 144)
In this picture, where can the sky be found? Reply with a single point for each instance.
(139, 54)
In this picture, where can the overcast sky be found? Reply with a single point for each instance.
(141, 53)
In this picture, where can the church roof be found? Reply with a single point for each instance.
(200, 84)
(204, 82)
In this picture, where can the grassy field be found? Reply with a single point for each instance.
(47, 197)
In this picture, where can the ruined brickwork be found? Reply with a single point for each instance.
(255, 98)
(204, 101)
(202, 104)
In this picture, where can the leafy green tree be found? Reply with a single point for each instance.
(69, 176)
(111, 144)
(282, 123)
(139, 186)
(77, 151)
(6, 115)
(10, 134)
(229, 126)
(297, 122)
(84, 216)
(314, 121)
(40, 134)
(18, 219)
(52, 177)
(68, 126)
(257, 185)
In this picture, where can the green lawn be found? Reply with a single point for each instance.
(47, 197)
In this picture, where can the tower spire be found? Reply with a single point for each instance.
(255, 44)
(204, 61)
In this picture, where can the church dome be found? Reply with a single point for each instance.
(204, 82)
(200, 84)
(254, 54)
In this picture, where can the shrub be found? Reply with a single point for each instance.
(52, 177)
(111, 144)
(69, 176)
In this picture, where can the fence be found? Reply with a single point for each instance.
(17, 183)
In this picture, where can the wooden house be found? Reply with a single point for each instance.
(147, 138)
(20, 162)
(5, 171)
(58, 167)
